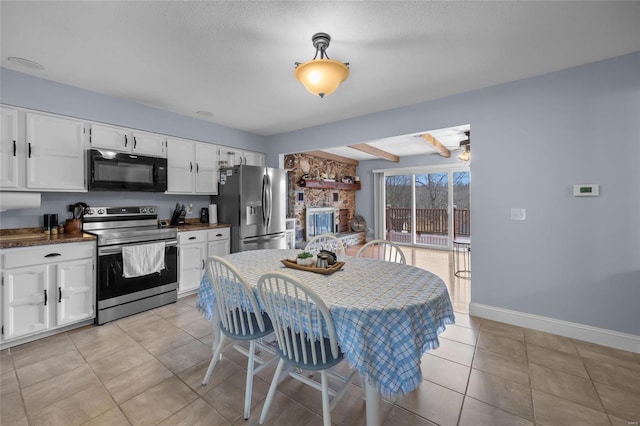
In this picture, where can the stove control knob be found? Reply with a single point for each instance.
(143, 210)
(101, 211)
(152, 210)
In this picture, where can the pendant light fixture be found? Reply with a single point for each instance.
(321, 76)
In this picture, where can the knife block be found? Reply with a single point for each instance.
(73, 226)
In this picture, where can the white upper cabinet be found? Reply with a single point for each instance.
(120, 139)
(230, 157)
(253, 158)
(179, 166)
(55, 153)
(206, 157)
(109, 137)
(192, 167)
(11, 149)
(151, 144)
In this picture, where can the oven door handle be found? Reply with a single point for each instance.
(118, 249)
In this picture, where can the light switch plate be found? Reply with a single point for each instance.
(518, 214)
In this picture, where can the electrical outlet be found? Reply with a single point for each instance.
(190, 208)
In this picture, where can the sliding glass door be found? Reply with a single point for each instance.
(428, 207)
(432, 216)
(399, 209)
(461, 207)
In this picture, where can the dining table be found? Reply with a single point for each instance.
(386, 315)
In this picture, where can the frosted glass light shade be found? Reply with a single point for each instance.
(321, 76)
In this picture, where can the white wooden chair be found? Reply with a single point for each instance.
(325, 242)
(294, 309)
(382, 250)
(240, 319)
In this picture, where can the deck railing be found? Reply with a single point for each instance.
(429, 221)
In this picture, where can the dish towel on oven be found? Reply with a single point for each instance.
(142, 259)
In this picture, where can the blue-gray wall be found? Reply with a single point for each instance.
(25, 91)
(573, 259)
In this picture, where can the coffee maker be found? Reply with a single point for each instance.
(204, 215)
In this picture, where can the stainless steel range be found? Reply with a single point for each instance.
(119, 292)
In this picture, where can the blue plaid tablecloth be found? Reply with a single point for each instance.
(386, 315)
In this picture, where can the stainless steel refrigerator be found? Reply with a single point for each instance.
(253, 200)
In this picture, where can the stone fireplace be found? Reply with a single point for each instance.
(326, 209)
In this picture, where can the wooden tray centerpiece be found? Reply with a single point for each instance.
(312, 268)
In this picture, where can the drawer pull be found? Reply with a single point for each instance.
(53, 255)
(218, 235)
(193, 238)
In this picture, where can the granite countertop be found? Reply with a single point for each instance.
(197, 226)
(27, 237)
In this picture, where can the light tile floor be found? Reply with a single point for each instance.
(147, 370)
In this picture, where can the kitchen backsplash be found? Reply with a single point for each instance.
(57, 202)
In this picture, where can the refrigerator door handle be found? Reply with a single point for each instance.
(266, 238)
(269, 200)
(264, 200)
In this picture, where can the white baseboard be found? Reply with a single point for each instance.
(600, 336)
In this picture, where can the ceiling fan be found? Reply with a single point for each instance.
(465, 147)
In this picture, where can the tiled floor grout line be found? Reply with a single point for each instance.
(466, 388)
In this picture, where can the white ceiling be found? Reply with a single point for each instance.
(236, 59)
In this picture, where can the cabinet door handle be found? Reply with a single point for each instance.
(29, 149)
(203, 264)
(190, 166)
(59, 294)
(193, 238)
(197, 168)
(45, 297)
(53, 255)
(135, 142)
(14, 148)
(125, 141)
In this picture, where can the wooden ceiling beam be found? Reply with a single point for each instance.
(442, 150)
(334, 157)
(376, 152)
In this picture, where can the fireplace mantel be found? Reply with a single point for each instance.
(322, 184)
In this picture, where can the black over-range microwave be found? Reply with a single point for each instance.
(113, 171)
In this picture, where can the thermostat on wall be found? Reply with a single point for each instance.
(586, 190)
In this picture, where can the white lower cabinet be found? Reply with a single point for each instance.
(193, 249)
(218, 242)
(46, 287)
